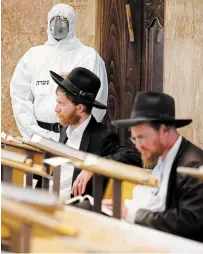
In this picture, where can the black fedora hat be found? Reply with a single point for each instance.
(153, 107)
(81, 83)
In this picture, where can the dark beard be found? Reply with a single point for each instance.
(75, 119)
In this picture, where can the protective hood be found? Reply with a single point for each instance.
(68, 12)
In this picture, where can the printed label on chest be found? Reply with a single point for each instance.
(42, 82)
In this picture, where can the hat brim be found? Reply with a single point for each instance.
(178, 123)
(58, 79)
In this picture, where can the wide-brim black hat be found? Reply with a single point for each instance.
(153, 107)
(82, 84)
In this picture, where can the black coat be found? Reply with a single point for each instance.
(97, 139)
(184, 203)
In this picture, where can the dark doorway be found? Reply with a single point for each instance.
(133, 65)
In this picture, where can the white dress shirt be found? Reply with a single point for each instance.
(149, 198)
(74, 139)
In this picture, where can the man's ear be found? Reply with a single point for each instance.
(80, 108)
(164, 128)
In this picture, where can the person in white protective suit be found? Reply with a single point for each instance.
(32, 89)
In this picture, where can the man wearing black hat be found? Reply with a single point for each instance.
(75, 99)
(176, 206)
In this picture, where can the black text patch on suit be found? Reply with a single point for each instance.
(42, 82)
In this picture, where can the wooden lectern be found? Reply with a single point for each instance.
(99, 166)
(74, 229)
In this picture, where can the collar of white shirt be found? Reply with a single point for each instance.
(74, 139)
(164, 165)
(172, 152)
(76, 133)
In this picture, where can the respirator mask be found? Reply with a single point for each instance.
(59, 27)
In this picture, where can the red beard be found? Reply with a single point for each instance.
(149, 160)
(72, 118)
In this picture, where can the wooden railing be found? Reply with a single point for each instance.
(99, 166)
(20, 218)
(194, 172)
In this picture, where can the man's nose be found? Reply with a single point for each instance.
(139, 146)
(57, 109)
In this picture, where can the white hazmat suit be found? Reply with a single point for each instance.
(33, 92)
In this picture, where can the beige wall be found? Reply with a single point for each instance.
(24, 25)
(184, 63)
(183, 51)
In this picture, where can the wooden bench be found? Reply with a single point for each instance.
(17, 210)
(34, 230)
(105, 230)
(92, 231)
(22, 220)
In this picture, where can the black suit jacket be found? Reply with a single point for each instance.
(184, 203)
(97, 139)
